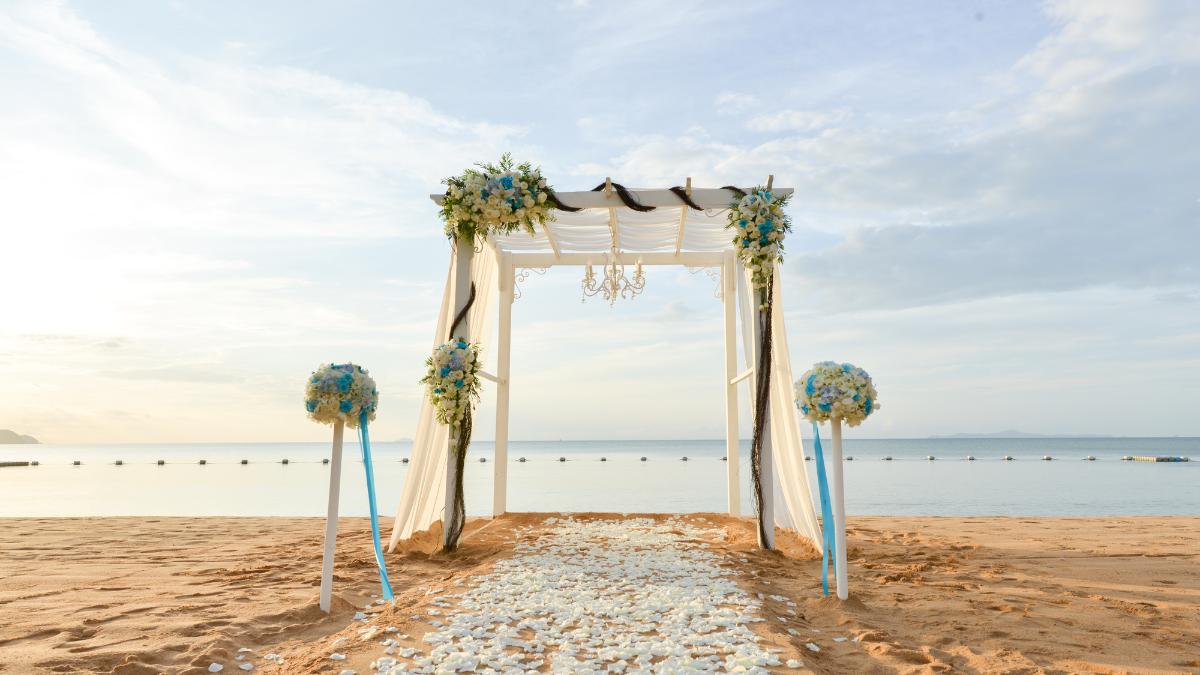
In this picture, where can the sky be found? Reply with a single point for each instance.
(997, 207)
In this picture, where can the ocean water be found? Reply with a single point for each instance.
(908, 485)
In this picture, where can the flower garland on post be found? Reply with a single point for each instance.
(453, 388)
(502, 197)
(760, 224)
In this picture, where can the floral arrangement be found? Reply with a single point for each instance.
(761, 225)
(842, 390)
(495, 198)
(451, 381)
(340, 391)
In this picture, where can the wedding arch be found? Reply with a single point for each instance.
(621, 229)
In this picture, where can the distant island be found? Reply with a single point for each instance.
(13, 438)
(1013, 433)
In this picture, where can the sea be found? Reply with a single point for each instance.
(606, 476)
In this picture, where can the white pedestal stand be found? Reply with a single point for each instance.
(331, 516)
(838, 494)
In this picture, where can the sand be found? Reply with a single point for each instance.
(149, 595)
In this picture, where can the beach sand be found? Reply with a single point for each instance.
(148, 595)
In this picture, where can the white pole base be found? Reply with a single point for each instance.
(331, 516)
(839, 511)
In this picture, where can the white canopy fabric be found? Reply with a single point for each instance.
(670, 236)
(590, 231)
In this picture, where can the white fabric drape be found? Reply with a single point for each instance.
(423, 500)
(794, 506)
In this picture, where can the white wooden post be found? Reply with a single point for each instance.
(839, 510)
(733, 458)
(503, 354)
(767, 467)
(464, 253)
(331, 517)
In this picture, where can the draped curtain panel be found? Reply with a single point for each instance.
(423, 501)
(794, 505)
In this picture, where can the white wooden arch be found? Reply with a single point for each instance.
(670, 234)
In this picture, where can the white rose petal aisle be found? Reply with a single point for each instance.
(345, 395)
(760, 224)
(595, 596)
(833, 392)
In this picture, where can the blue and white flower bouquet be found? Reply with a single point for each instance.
(451, 380)
(761, 224)
(836, 390)
(496, 198)
(341, 391)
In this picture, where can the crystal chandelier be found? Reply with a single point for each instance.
(614, 284)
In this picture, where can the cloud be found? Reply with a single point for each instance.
(797, 120)
(215, 146)
(1086, 184)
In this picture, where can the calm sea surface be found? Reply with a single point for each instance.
(908, 485)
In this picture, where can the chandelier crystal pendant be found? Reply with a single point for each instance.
(614, 284)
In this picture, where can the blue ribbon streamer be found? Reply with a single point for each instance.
(826, 511)
(364, 440)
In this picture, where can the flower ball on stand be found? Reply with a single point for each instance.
(835, 393)
(341, 393)
(344, 395)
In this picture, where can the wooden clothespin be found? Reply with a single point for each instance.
(688, 188)
(608, 188)
(770, 180)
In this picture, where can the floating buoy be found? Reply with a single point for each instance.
(519, 460)
(245, 461)
(808, 458)
(76, 463)
(283, 461)
(1008, 458)
(683, 459)
(324, 460)
(1090, 458)
(603, 459)
(203, 462)
(562, 459)
(724, 459)
(1047, 458)
(643, 459)
(887, 458)
(119, 462)
(849, 458)
(482, 460)
(970, 458)
(929, 457)
(160, 462)
(34, 463)
(405, 460)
